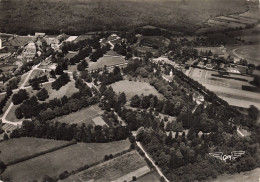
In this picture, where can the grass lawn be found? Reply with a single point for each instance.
(17, 148)
(70, 55)
(252, 176)
(83, 37)
(131, 88)
(67, 90)
(35, 74)
(23, 77)
(99, 121)
(152, 176)
(84, 115)
(72, 68)
(120, 168)
(2, 96)
(7, 67)
(106, 60)
(249, 52)
(69, 158)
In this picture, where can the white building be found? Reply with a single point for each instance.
(0, 43)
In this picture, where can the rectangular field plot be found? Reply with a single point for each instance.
(17, 148)
(106, 60)
(99, 121)
(70, 158)
(230, 88)
(84, 115)
(152, 176)
(118, 169)
(131, 88)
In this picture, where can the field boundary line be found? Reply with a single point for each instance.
(23, 159)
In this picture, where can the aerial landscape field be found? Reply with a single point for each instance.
(63, 159)
(129, 90)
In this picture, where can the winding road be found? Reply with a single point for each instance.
(4, 120)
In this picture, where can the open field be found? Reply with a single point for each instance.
(67, 90)
(215, 50)
(70, 55)
(106, 60)
(250, 176)
(131, 88)
(85, 115)
(228, 89)
(17, 148)
(232, 21)
(145, 49)
(83, 37)
(7, 67)
(151, 41)
(69, 158)
(249, 52)
(35, 74)
(99, 121)
(118, 169)
(115, 15)
(152, 176)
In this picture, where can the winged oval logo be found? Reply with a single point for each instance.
(233, 156)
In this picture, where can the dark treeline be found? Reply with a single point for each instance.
(190, 154)
(68, 132)
(57, 107)
(61, 81)
(38, 80)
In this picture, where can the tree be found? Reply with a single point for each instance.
(19, 113)
(42, 94)
(6, 137)
(2, 167)
(122, 98)
(176, 134)
(140, 134)
(59, 70)
(61, 81)
(135, 101)
(20, 97)
(35, 85)
(53, 74)
(253, 112)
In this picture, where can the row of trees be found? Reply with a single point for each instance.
(20, 96)
(99, 53)
(68, 132)
(57, 107)
(61, 81)
(35, 82)
(9, 92)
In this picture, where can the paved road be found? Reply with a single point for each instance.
(11, 105)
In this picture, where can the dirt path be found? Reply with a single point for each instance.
(151, 160)
(11, 105)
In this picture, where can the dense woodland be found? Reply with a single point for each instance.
(79, 17)
(182, 156)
